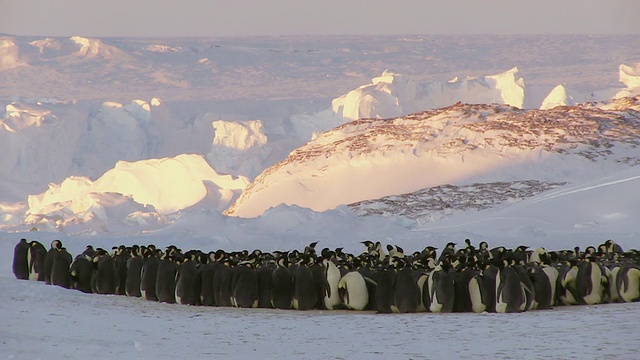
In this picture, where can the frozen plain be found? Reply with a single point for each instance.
(46, 322)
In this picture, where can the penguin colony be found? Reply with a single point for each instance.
(458, 280)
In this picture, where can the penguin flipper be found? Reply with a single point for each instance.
(370, 281)
(325, 282)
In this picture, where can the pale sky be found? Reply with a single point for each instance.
(141, 18)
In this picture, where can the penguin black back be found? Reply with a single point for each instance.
(304, 287)
(105, 277)
(56, 245)
(134, 273)
(187, 283)
(81, 270)
(205, 274)
(60, 274)
(265, 281)
(148, 276)
(384, 291)
(166, 279)
(282, 286)
(406, 293)
(120, 258)
(20, 262)
(245, 286)
(442, 289)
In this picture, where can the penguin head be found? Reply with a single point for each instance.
(56, 244)
(443, 265)
(368, 244)
(311, 248)
(398, 262)
(431, 263)
(283, 261)
(293, 256)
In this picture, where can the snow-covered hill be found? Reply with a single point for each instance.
(462, 144)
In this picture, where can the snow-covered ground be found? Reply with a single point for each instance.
(138, 141)
(47, 322)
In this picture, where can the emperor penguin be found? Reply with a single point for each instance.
(527, 287)
(304, 286)
(89, 252)
(612, 247)
(370, 278)
(483, 252)
(478, 295)
(589, 282)
(614, 293)
(386, 278)
(369, 246)
(521, 255)
(310, 249)
(222, 279)
(81, 270)
(264, 271)
(60, 274)
(448, 252)
(121, 256)
(105, 277)
(353, 291)
(462, 279)
(35, 258)
(134, 271)
(566, 283)
(166, 277)
(441, 289)
(396, 251)
(187, 290)
(245, 285)
(490, 274)
(149, 274)
(56, 245)
(510, 296)
(20, 263)
(205, 274)
(422, 277)
(406, 293)
(317, 271)
(331, 297)
(544, 286)
(628, 282)
(282, 285)
(538, 256)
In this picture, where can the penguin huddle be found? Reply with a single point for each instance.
(469, 279)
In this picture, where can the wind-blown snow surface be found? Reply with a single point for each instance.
(75, 325)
